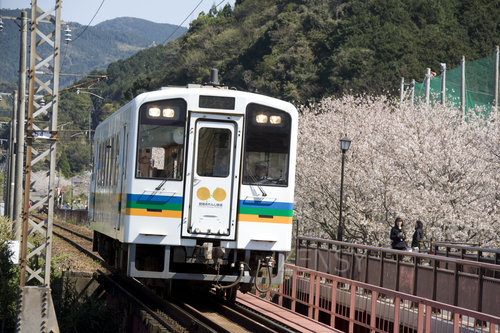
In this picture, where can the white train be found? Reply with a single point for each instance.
(196, 183)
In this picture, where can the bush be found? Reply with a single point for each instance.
(78, 312)
(9, 279)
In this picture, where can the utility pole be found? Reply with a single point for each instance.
(35, 307)
(12, 166)
(19, 165)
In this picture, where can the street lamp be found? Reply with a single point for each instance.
(78, 92)
(344, 146)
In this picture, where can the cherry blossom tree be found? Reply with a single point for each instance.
(421, 163)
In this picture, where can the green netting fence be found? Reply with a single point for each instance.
(479, 85)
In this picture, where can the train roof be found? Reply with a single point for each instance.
(197, 90)
(191, 94)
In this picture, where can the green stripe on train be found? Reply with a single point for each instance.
(266, 211)
(154, 205)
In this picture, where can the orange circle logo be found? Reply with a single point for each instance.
(219, 194)
(203, 193)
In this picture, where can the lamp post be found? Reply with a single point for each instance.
(78, 92)
(344, 146)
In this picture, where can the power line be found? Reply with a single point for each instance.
(216, 6)
(198, 5)
(220, 3)
(98, 9)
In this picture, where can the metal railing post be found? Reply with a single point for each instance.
(462, 86)
(496, 78)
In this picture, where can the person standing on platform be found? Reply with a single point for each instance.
(397, 235)
(418, 236)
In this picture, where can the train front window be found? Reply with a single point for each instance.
(214, 152)
(160, 144)
(267, 146)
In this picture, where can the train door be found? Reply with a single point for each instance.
(93, 182)
(213, 176)
(122, 170)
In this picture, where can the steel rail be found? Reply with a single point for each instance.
(137, 294)
(73, 232)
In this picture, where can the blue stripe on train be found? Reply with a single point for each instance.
(150, 197)
(266, 204)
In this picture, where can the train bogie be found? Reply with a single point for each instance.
(196, 184)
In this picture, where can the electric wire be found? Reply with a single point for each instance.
(173, 32)
(64, 53)
(86, 27)
(220, 3)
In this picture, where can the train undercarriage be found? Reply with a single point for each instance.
(203, 267)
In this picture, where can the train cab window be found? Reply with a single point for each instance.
(267, 146)
(160, 144)
(214, 152)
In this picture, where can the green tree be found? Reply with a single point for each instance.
(303, 50)
(9, 279)
(80, 156)
(63, 165)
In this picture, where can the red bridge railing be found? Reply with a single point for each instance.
(346, 304)
(463, 283)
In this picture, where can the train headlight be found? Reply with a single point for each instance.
(261, 118)
(275, 120)
(154, 112)
(168, 113)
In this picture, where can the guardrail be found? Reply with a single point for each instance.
(475, 253)
(377, 309)
(468, 284)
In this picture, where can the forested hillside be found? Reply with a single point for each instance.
(302, 50)
(298, 50)
(91, 48)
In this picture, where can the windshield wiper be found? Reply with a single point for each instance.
(161, 184)
(255, 182)
(164, 181)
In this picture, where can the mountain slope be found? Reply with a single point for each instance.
(154, 32)
(91, 48)
(303, 50)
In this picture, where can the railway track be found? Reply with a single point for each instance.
(246, 319)
(205, 313)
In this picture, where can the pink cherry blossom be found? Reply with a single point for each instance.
(421, 163)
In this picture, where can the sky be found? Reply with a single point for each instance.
(158, 11)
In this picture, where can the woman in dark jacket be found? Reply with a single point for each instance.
(418, 235)
(398, 236)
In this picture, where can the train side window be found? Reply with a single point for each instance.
(108, 162)
(267, 146)
(102, 163)
(115, 160)
(160, 145)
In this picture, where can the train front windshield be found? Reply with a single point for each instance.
(267, 146)
(160, 144)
